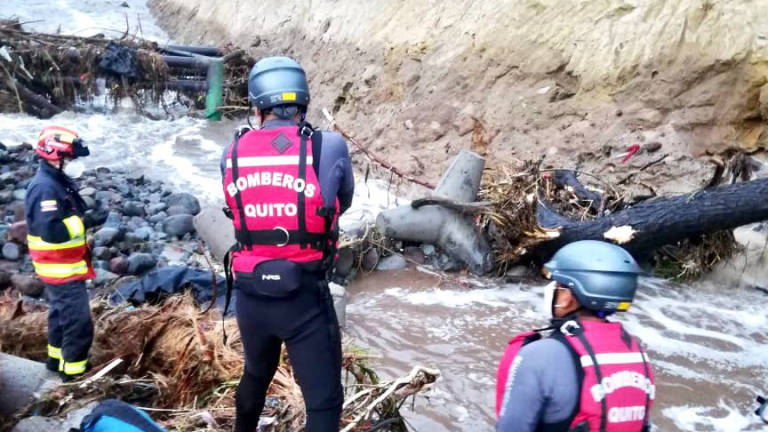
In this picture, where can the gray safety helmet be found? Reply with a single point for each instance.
(276, 81)
(601, 275)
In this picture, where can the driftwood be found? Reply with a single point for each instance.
(654, 223)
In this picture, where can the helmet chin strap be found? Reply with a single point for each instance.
(248, 119)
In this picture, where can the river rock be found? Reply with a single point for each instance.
(6, 197)
(105, 197)
(8, 178)
(19, 194)
(186, 200)
(133, 208)
(11, 251)
(156, 208)
(427, 249)
(177, 210)
(448, 264)
(414, 254)
(101, 264)
(104, 276)
(178, 225)
(113, 220)
(97, 217)
(89, 202)
(118, 265)
(5, 280)
(140, 262)
(370, 259)
(102, 253)
(144, 233)
(136, 178)
(392, 262)
(106, 236)
(18, 232)
(157, 218)
(87, 192)
(27, 284)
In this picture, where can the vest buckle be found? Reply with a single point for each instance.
(568, 326)
(287, 236)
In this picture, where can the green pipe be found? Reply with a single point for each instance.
(214, 98)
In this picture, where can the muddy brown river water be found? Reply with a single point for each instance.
(708, 347)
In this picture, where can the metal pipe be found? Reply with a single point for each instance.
(188, 62)
(200, 50)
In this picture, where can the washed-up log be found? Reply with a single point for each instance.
(648, 225)
(43, 107)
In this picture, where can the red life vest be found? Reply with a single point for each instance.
(617, 389)
(59, 263)
(274, 194)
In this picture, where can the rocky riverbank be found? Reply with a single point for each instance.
(138, 224)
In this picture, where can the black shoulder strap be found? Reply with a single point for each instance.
(301, 214)
(558, 336)
(317, 149)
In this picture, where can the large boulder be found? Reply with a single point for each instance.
(184, 200)
(178, 225)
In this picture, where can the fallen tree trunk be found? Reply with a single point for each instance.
(662, 221)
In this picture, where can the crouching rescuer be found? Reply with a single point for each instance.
(285, 186)
(589, 375)
(55, 215)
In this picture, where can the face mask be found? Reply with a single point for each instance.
(74, 169)
(549, 299)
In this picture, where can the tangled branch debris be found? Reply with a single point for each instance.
(529, 205)
(44, 74)
(176, 364)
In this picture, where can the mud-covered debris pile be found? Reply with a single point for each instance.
(43, 74)
(175, 359)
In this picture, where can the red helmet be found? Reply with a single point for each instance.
(56, 143)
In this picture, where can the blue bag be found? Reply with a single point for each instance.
(113, 415)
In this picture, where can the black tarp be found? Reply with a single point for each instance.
(119, 60)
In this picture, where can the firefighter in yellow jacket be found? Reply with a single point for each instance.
(55, 221)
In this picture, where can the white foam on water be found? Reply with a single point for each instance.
(696, 418)
(503, 296)
(85, 17)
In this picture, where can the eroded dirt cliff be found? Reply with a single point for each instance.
(579, 81)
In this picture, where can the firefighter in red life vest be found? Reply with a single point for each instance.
(285, 186)
(589, 375)
(55, 215)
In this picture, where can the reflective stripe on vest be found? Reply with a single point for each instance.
(57, 263)
(264, 161)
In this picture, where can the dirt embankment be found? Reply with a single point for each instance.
(577, 81)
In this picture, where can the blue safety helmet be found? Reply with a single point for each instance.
(276, 81)
(601, 275)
